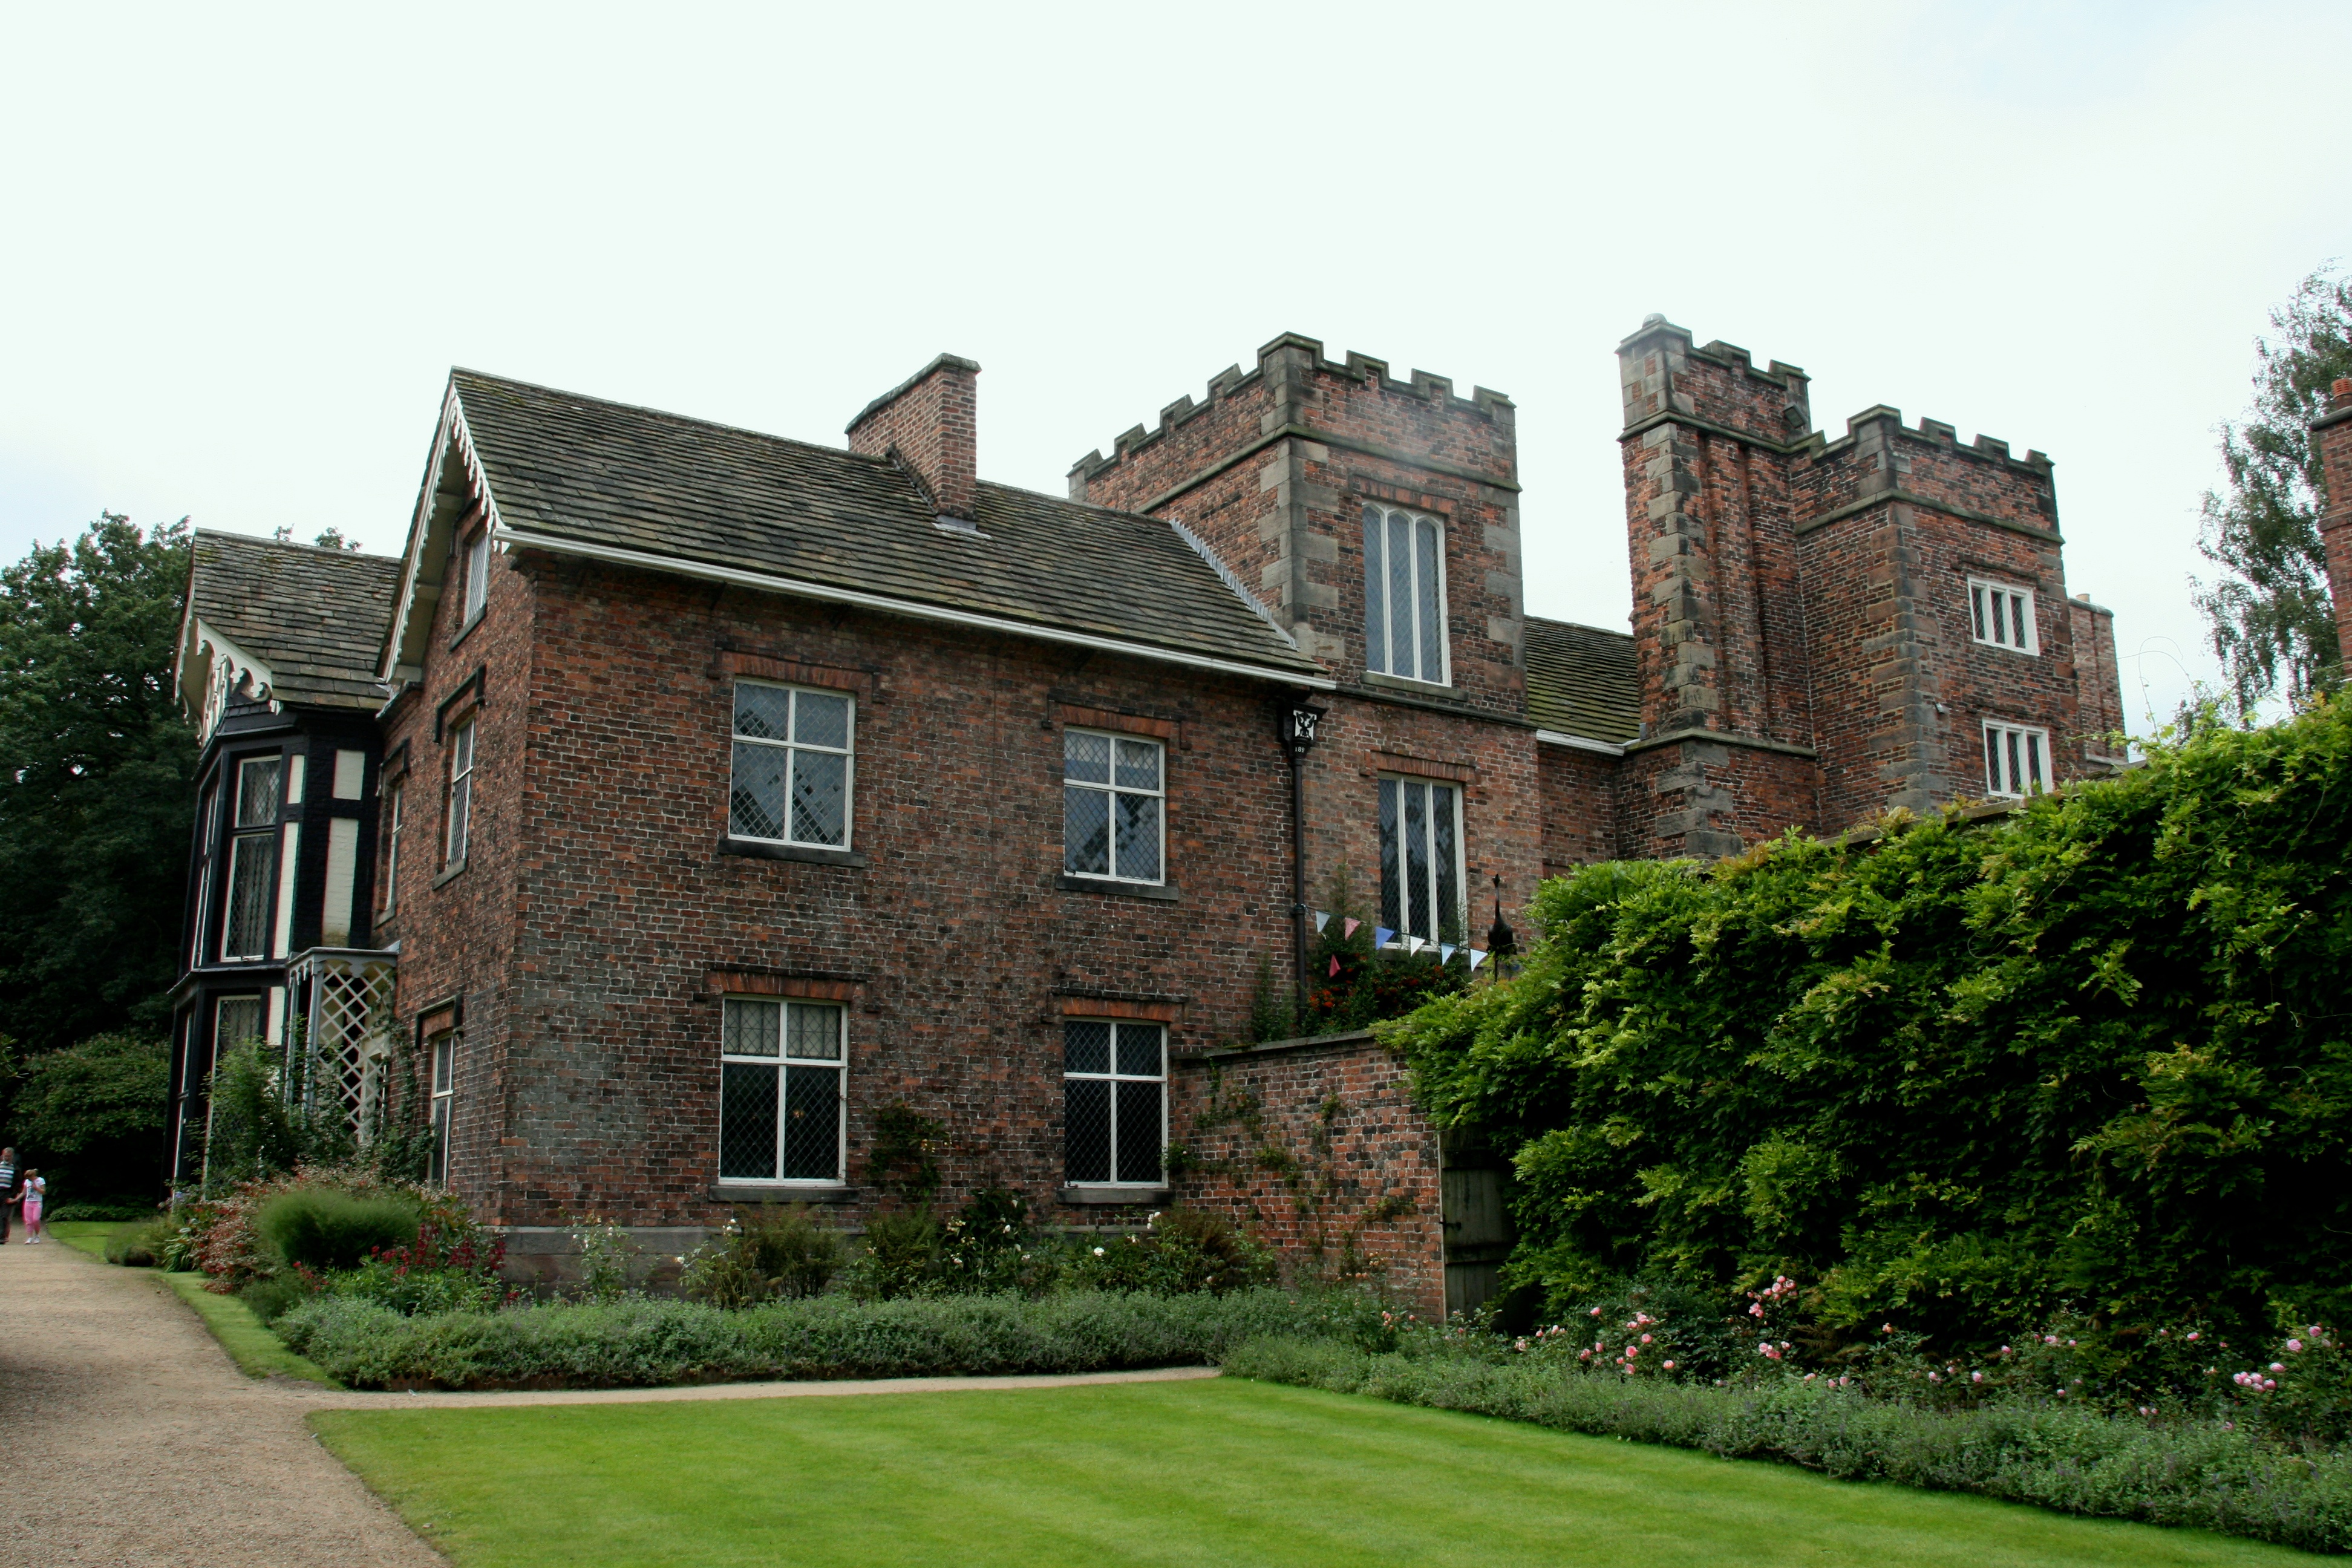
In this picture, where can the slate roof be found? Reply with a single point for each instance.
(316, 617)
(606, 473)
(1581, 681)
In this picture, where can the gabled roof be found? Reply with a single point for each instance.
(558, 470)
(305, 623)
(1582, 681)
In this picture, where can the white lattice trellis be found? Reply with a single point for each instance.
(346, 992)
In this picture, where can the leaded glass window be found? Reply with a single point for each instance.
(780, 1090)
(1404, 595)
(393, 801)
(443, 1049)
(2002, 616)
(794, 756)
(1420, 859)
(1113, 794)
(2017, 761)
(477, 575)
(1114, 1101)
(252, 859)
(460, 814)
(236, 1021)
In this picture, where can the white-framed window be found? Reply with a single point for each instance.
(459, 813)
(791, 778)
(394, 798)
(781, 1067)
(1404, 595)
(1114, 800)
(252, 859)
(1114, 1101)
(478, 574)
(236, 1021)
(2000, 616)
(2017, 760)
(1421, 859)
(208, 818)
(442, 1048)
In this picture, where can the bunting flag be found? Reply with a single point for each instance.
(1477, 957)
(1335, 966)
(1322, 918)
(1445, 951)
(1349, 929)
(1382, 936)
(1413, 943)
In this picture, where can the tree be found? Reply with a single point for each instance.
(92, 1116)
(96, 776)
(2271, 616)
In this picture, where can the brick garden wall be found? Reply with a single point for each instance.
(1318, 1148)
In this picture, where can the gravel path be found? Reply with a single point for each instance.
(133, 1442)
(130, 1439)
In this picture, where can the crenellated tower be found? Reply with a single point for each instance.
(1830, 628)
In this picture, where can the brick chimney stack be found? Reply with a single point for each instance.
(930, 425)
(2333, 432)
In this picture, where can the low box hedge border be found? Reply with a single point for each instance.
(645, 1342)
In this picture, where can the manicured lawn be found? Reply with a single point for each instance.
(81, 1234)
(257, 1351)
(1224, 1472)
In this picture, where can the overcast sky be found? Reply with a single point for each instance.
(242, 247)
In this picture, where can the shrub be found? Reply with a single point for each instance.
(990, 1247)
(1789, 1062)
(640, 1341)
(763, 1256)
(101, 1214)
(902, 1252)
(141, 1246)
(606, 1259)
(323, 1228)
(2204, 1474)
(1181, 1250)
(271, 1298)
(451, 1267)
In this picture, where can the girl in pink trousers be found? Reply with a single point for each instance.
(34, 1188)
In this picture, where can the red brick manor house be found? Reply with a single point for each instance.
(683, 797)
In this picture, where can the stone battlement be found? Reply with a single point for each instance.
(1233, 381)
(1989, 449)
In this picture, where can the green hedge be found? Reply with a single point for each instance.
(643, 1342)
(2096, 1055)
(2203, 1474)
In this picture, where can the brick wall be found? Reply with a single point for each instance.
(1272, 470)
(603, 799)
(456, 927)
(1717, 616)
(1578, 789)
(1812, 595)
(930, 423)
(1318, 1148)
(2333, 432)
(2098, 678)
(1892, 523)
